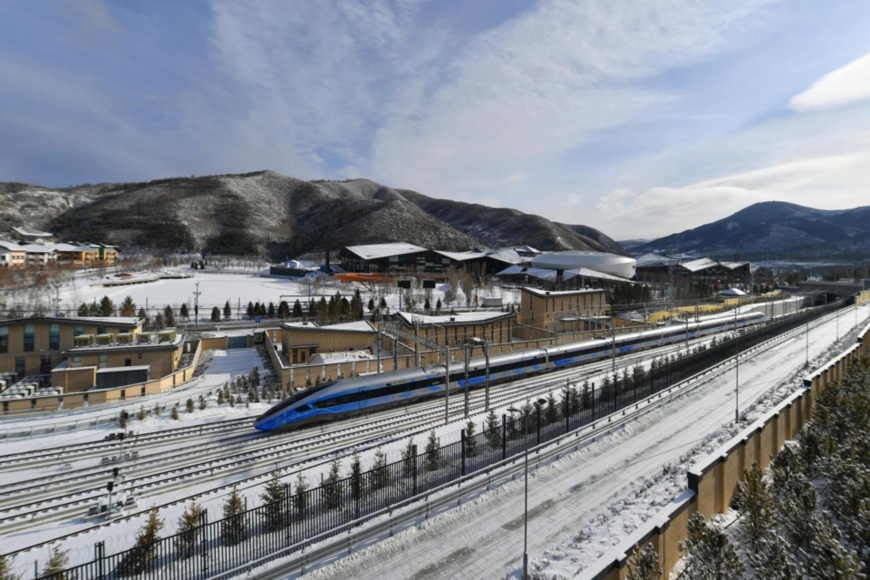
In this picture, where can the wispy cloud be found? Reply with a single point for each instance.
(844, 86)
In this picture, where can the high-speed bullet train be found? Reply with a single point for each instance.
(345, 397)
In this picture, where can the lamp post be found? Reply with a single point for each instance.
(526, 522)
(483, 343)
(736, 373)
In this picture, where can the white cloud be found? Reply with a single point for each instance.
(542, 85)
(844, 86)
(828, 182)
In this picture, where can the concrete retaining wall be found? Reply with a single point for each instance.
(712, 485)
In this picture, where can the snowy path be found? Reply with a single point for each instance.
(484, 539)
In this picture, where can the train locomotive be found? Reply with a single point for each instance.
(351, 396)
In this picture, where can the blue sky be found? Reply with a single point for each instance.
(639, 118)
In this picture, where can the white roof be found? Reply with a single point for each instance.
(32, 233)
(543, 293)
(12, 246)
(375, 251)
(699, 264)
(507, 255)
(732, 292)
(588, 273)
(512, 270)
(37, 249)
(459, 318)
(339, 357)
(356, 326)
(653, 259)
(461, 256)
(733, 265)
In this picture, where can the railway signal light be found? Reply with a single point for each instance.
(110, 486)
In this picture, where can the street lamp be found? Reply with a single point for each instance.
(737, 373)
(526, 523)
(483, 343)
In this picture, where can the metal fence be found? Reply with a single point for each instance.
(213, 548)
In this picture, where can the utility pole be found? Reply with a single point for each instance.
(468, 347)
(526, 523)
(613, 345)
(196, 306)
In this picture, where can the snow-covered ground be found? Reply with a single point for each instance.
(589, 501)
(602, 492)
(216, 289)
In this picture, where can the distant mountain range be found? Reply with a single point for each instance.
(777, 229)
(274, 216)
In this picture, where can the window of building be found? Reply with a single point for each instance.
(78, 329)
(128, 362)
(54, 337)
(104, 361)
(4, 339)
(45, 364)
(76, 361)
(20, 366)
(29, 335)
(139, 355)
(101, 330)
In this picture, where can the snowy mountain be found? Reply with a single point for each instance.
(775, 227)
(275, 216)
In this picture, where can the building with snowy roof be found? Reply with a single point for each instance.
(302, 340)
(90, 360)
(548, 312)
(29, 235)
(613, 264)
(456, 329)
(392, 257)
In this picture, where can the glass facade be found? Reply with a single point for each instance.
(29, 339)
(4, 339)
(54, 337)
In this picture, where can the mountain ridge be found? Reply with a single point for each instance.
(775, 227)
(271, 215)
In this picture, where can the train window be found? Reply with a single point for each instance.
(303, 408)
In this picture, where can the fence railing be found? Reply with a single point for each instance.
(219, 546)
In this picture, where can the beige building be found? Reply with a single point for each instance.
(456, 330)
(87, 355)
(300, 341)
(560, 311)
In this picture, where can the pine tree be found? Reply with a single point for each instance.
(492, 432)
(355, 478)
(228, 311)
(274, 498)
(183, 311)
(409, 457)
(220, 398)
(189, 405)
(378, 475)
(300, 496)
(332, 486)
(297, 309)
(143, 556)
(832, 561)
(58, 560)
(233, 523)
(573, 399)
(470, 439)
(709, 553)
(774, 559)
(174, 414)
(188, 529)
(215, 314)
(6, 568)
(755, 502)
(202, 403)
(141, 315)
(169, 317)
(644, 564)
(552, 414)
(159, 323)
(128, 307)
(107, 307)
(123, 417)
(433, 452)
(140, 414)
